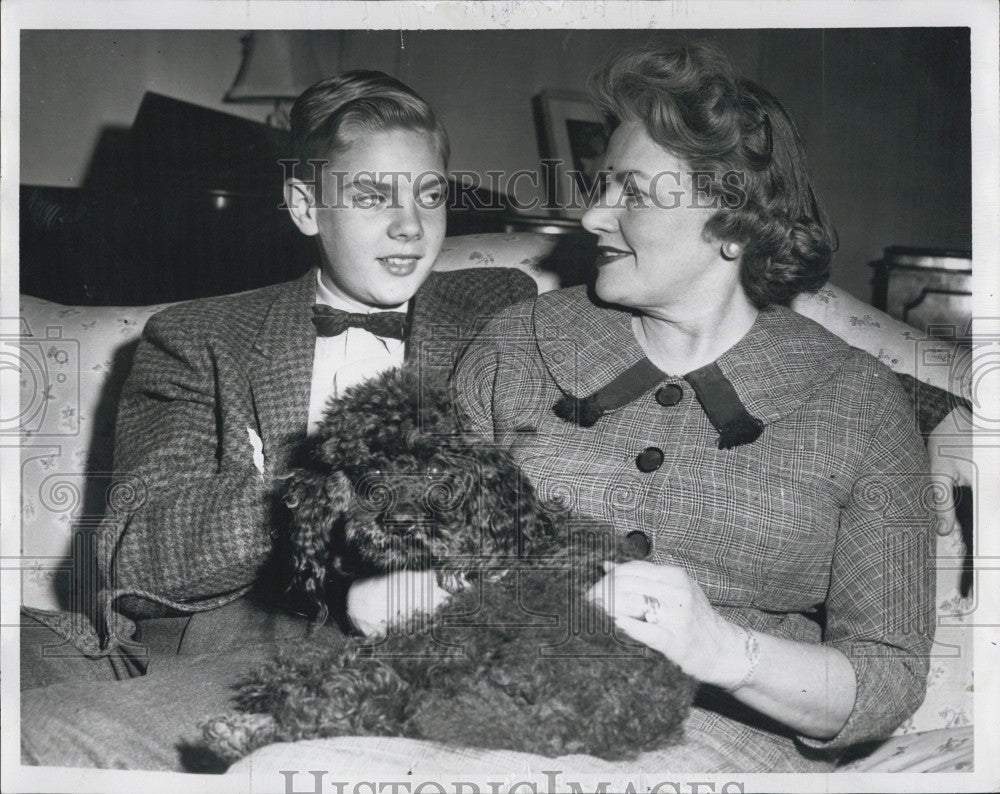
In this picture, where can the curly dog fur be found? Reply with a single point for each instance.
(516, 659)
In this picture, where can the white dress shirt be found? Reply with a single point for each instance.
(342, 361)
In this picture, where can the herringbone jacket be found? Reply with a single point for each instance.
(193, 523)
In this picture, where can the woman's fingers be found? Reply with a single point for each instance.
(641, 599)
(661, 607)
(642, 574)
(639, 630)
(652, 573)
(645, 569)
(624, 603)
(672, 591)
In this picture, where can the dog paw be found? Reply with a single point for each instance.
(232, 736)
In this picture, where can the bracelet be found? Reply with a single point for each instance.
(752, 650)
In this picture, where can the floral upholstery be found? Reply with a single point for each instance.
(949, 699)
(74, 360)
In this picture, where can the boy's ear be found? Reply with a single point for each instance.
(301, 206)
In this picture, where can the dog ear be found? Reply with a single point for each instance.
(504, 506)
(317, 501)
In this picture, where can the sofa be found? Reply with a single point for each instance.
(73, 361)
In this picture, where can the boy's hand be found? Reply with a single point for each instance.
(949, 448)
(373, 605)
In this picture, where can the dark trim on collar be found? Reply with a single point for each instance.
(781, 361)
(723, 408)
(715, 393)
(633, 382)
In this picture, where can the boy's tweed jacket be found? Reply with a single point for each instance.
(190, 526)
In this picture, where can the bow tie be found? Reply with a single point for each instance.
(331, 322)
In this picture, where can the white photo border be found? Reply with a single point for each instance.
(980, 16)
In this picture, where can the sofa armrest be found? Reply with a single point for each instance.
(73, 362)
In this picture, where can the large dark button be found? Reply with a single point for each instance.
(650, 459)
(669, 395)
(639, 543)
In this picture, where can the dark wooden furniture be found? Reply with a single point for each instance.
(192, 208)
(928, 288)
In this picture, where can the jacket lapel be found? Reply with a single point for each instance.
(434, 325)
(282, 370)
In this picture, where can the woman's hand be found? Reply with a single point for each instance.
(811, 688)
(373, 605)
(663, 608)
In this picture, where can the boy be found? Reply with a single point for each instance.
(223, 390)
(214, 380)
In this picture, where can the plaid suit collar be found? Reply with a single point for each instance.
(771, 370)
(279, 378)
(450, 308)
(781, 362)
(287, 322)
(584, 347)
(428, 309)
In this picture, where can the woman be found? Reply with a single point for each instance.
(772, 472)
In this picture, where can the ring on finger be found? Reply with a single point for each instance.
(652, 613)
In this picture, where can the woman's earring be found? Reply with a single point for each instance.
(731, 251)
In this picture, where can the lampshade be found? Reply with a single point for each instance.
(277, 64)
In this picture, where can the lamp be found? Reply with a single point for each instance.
(277, 66)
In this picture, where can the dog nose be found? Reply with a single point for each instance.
(415, 524)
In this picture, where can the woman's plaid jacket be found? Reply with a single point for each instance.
(817, 531)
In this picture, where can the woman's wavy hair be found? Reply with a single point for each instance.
(327, 115)
(690, 103)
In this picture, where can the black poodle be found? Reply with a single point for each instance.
(517, 658)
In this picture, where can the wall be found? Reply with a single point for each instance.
(75, 84)
(885, 114)
(886, 122)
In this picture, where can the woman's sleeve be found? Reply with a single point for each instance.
(880, 604)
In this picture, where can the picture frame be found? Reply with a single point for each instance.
(572, 137)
